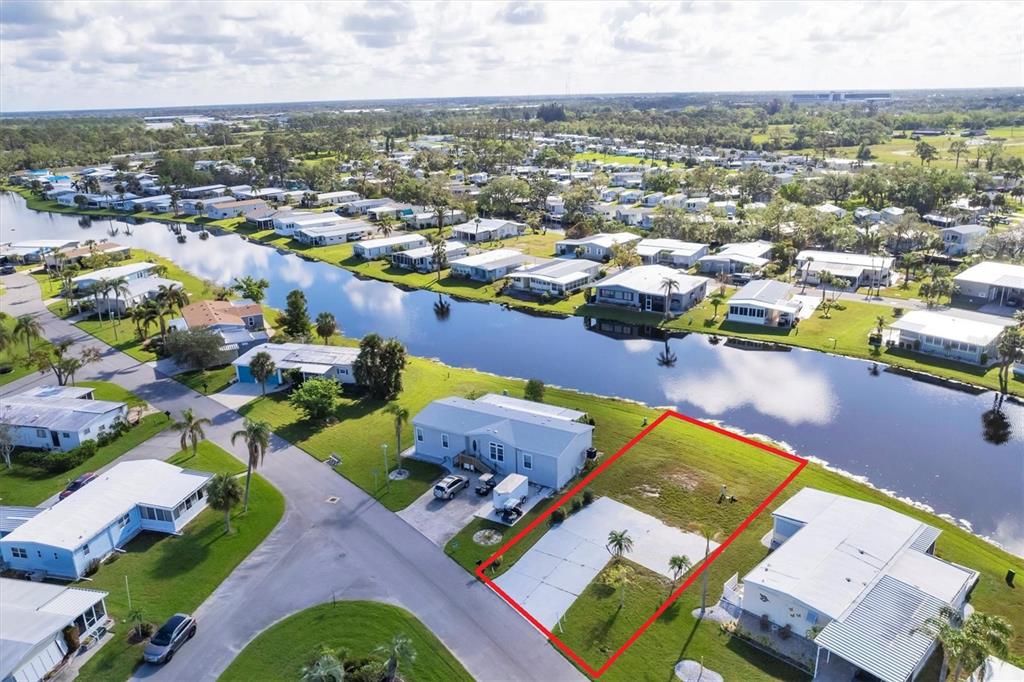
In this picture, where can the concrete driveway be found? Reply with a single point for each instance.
(440, 520)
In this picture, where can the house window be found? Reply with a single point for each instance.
(123, 521)
(497, 452)
(66, 435)
(41, 433)
(19, 553)
(85, 549)
(419, 435)
(812, 617)
(527, 461)
(444, 440)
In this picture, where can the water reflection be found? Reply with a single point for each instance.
(779, 388)
(996, 427)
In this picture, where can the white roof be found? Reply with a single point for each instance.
(336, 228)
(997, 670)
(77, 519)
(651, 247)
(491, 257)
(744, 250)
(63, 411)
(962, 326)
(484, 225)
(306, 219)
(648, 279)
(993, 273)
(603, 239)
(860, 260)
(114, 272)
(397, 240)
(310, 358)
(767, 293)
(559, 270)
(31, 613)
(510, 484)
(428, 251)
(540, 409)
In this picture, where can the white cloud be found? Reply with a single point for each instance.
(168, 53)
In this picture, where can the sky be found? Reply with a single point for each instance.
(112, 54)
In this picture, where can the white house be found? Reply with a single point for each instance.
(203, 191)
(313, 361)
(558, 277)
(422, 258)
(596, 247)
(384, 246)
(955, 334)
(334, 233)
(610, 194)
(630, 196)
(671, 252)
(653, 199)
(33, 616)
(233, 209)
(418, 221)
(340, 197)
(766, 302)
(191, 206)
(961, 239)
(859, 579)
(490, 265)
(58, 417)
(128, 272)
(696, 204)
(832, 210)
(104, 515)
(287, 223)
(486, 230)
(857, 269)
(992, 282)
(891, 214)
(361, 206)
(674, 201)
(737, 257)
(134, 292)
(642, 288)
(545, 443)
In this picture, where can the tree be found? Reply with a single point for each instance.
(669, 285)
(679, 564)
(172, 297)
(326, 326)
(708, 536)
(716, 299)
(6, 442)
(328, 666)
(57, 359)
(251, 288)
(256, 435)
(401, 417)
(618, 577)
(191, 428)
(315, 397)
(624, 255)
(926, 152)
(379, 366)
(439, 252)
(619, 544)
(27, 328)
(1010, 349)
(261, 368)
(502, 195)
(966, 644)
(295, 319)
(397, 651)
(223, 493)
(958, 148)
(534, 390)
(386, 224)
(199, 347)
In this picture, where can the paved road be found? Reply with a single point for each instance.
(353, 549)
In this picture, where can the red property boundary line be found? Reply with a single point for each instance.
(480, 571)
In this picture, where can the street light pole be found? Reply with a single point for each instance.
(387, 479)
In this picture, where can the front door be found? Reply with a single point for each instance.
(647, 303)
(55, 437)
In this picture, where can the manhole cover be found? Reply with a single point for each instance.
(332, 500)
(487, 537)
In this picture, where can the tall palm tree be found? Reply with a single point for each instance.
(401, 417)
(708, 534)
(399, 649)
(27, 328)
(256, 435)
(173, 296)
(669, 285)
(966, 644)
(191, 428)
(386, 224)
(679, 564)
(619, 544)
(326, 326)
(118, 287)
(262, 367)
(154, 312)
(223, 494)
(716, 299)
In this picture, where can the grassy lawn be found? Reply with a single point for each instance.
(684, 465)
(901, 150)
(14, 355)
(28, 486)
(615, 158)
(844, 332)
(170, 574)
(358, 627)
(209, 381)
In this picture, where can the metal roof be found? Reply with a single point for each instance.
(648, 279)
(962, 326)
(767, 291)
(55, 414)
(12, 517)
(993, 273)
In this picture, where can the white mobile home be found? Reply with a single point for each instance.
(129, 272)
(491, 265)
(642, 288)
(992, 282)
(313, 361)
(104, 515)
(596, 247)
(486, 230)
(738, 257)
(385, 246)
(422, 258)
(961, 335)
(59, 417)
(545, 443)
(765, 302)
(418, 221)
(233, 209)
(331, 198)
(286, 223)
(671, 252)
(857, 269)
(335, 233)
(961, 239)
(558, 277)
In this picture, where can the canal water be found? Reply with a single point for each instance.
(925, 442)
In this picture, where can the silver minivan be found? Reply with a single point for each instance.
(180, 628)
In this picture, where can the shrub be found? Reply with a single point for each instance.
(588, 496)
(897, 312)
(545, 297)
(57, 462)
(92, 567)
(577, 504)
(71, 638)
(557, 517)
(984, 358)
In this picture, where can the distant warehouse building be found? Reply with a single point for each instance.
(59, 417)
(103, 516)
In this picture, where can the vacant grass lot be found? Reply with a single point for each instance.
(168, 575)
(28, 486)
(358, 627)
(684, 465)
(208, 382)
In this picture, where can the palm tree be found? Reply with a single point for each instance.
(256, 435)
(328, 667)
(708, 534)
(401, 416)
(716, 299)
(118, 287)
(172, 296)
(619, 544)
(262, 367)
(807, 271)
(967, 643)
(399, 649)
(440, 256)
(386, 224)
(679, 564)
(669, 285)
(27, 328)
(957, 149)
(223, 494)
(153, 312)
(326, 326)
(191, 428)
(618, 576)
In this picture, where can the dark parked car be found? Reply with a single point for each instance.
(179, 629)
(449, 486)
(77, 483)
(7, 269)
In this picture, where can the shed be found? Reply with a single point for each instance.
(512, 487)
